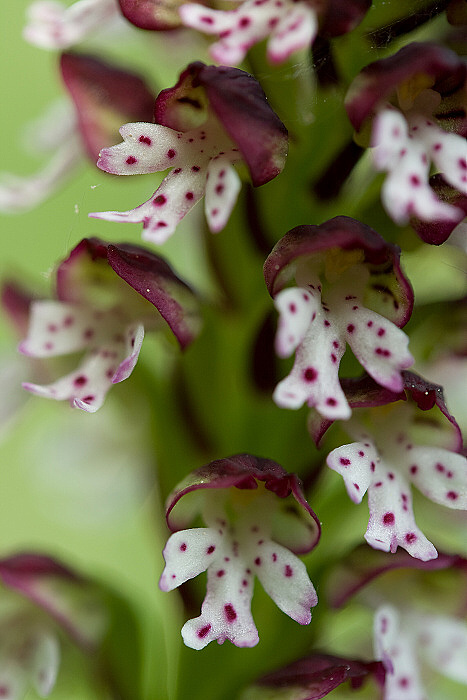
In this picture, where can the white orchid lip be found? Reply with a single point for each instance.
(350, 290)
(251, 530)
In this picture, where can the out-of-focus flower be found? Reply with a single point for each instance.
(415, 101)
(350, 289)
(156, 15)
(57, 599)
(106, 296)
(103, 95)
(314, 677)
(397, 445)
(212, 118)
(51, 25)
(257, 521)
(404, 639)
(290, 26)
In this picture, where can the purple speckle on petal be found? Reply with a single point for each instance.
(160, 200)
(410, 537)
(350, 328)
(203, 631)
(230, 613)
(258, 561)
(288, 571)
(131, 160)
(344, 461)
(452, 495)
(310, 374)
(388, 519)
(171, 153)
(145, 139)
(183, 547)
(220, 573)
(80, 381)
(210, 549)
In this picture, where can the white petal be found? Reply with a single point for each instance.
(314, 378)
(442, 643)
(293, 32)
(395, 649)
(356, 463)
(447, 150)
(285, 579)
(392, 522)
(439, 474)
(53, 26)
(222, 188)
(188, 553)
(226, 610)
(134, 337)
(296, 307)
(58, 328)
(45, 662)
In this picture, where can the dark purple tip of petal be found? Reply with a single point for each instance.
(347, 234)
(318, 674)
(341, 16)
(242, 471)
(378, 82)
(97, 88)
(364, 564)
(153, 278)
(18, 569)
(437, 232)
(16, 302)
(155, 15)
(426, 395)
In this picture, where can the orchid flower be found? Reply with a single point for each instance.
(350, 289)
(416, 102)
(106, 296)
(257, 521)
(213, 118)
(290, 26)
(56, 599)
(404, 639)
(390, 453)
(50, 25)
(101, 95)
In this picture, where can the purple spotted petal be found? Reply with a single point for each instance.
(387, 292)
(104, 95)
(439, 474)
(69, 599)
(356, 463)
(87, 386)
(245, 471)
(363, 565)
(317, 675)
(444, 71)
(314, 378)
(57, 328)
(225, 613)
(222, 188)
(156, 15)
(296, 307)
(187, 554)
(398, 654)
(53, 26)
(442, 643)
(290, 27)
(392, 522)
(285, 579)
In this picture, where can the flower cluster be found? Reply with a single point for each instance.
(351, 290)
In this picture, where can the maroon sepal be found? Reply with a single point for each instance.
(16, 301)
(378, 82)
(239, 103)
(105, 97)
(383, 260)
(364, 564)
(341, 16)
(244, 471)
(144, 271)
(315, 676)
